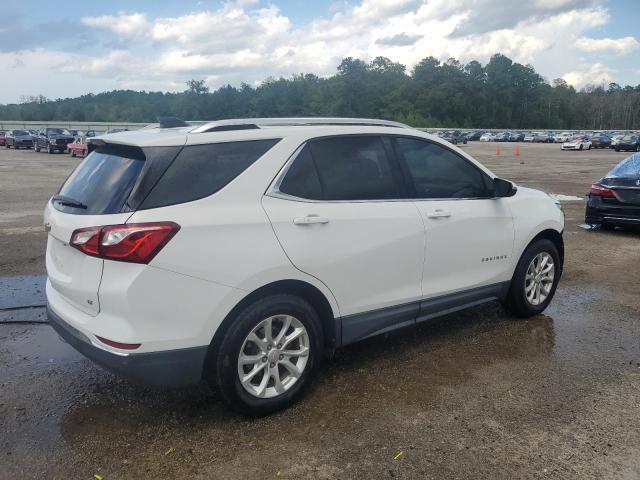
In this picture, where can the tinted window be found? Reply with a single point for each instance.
(354, 168)
(302, 179)
(436, 172)
(103, 181)
(201, 170)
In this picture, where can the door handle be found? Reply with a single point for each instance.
(438, 213)
(310, 219)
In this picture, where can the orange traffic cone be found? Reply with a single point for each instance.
(498, 151)
(517, 150)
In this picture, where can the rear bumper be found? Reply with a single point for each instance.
(598, 212)
(170, 368)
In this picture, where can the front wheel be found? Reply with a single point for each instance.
(535, 279)
(268, 355)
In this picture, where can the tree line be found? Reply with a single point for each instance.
(500, 94)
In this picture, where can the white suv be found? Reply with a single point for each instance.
(240, 252)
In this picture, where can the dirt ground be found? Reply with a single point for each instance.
(473, 395)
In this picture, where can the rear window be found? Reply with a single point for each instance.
(103, 181)
(201, 170)
(628, 168)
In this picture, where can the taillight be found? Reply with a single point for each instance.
(600, 191)
(133, 242)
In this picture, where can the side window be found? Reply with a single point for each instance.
(354, 168)
(302, 179)
(201, 170)
(436, 172)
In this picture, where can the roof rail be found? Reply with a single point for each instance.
(250, 123)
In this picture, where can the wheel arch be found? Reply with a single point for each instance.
(555, 237)
(300, 288)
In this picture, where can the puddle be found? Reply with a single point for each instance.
(22, 291)
(447, 377)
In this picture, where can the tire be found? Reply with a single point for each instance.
(617, 149)
(580, 147)
(589, 147)
(73, 153)
(49, 150)
(224, 370)
(36, 148)
(6, 145)
(516, 301)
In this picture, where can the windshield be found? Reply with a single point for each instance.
(20, 132)
(629, 137)
(628, 168)
(57, 131)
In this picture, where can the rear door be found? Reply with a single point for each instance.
(341, 214)
(94, 195)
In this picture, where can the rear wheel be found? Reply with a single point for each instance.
(268, 355)
(535, 279)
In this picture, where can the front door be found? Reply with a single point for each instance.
(469, 233)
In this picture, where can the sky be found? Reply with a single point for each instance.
(72, 47)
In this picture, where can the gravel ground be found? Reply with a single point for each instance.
(472, 395)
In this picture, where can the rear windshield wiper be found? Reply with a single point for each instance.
(68, 201)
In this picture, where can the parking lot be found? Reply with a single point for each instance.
(471, 395)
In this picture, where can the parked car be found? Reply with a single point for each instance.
(78, 148)
(517, 137)
(529, 137)
(52, 140)
(542, 137)
(18, 139)
(93, 133)
(502, 137)
(615, 198)
(562, 137)
(615, 139)
(239, 255)
(486, 137)
(577, 142)
(600, 140)
(3, 135)
(475, 136)
(628, 143)
(455, 137)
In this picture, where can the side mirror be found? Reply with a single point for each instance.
(503, 188)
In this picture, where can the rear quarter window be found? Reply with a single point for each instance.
(202, 170)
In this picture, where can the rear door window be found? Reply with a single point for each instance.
(355, 168)
(103, 181)
(201, 170)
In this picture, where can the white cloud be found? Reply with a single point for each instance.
(249, 40)
(619, 46)
(121, 24)
(594, 74)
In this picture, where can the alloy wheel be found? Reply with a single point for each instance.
(539, 278)
(273, 356)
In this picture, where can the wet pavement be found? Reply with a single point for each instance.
(477, 394)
